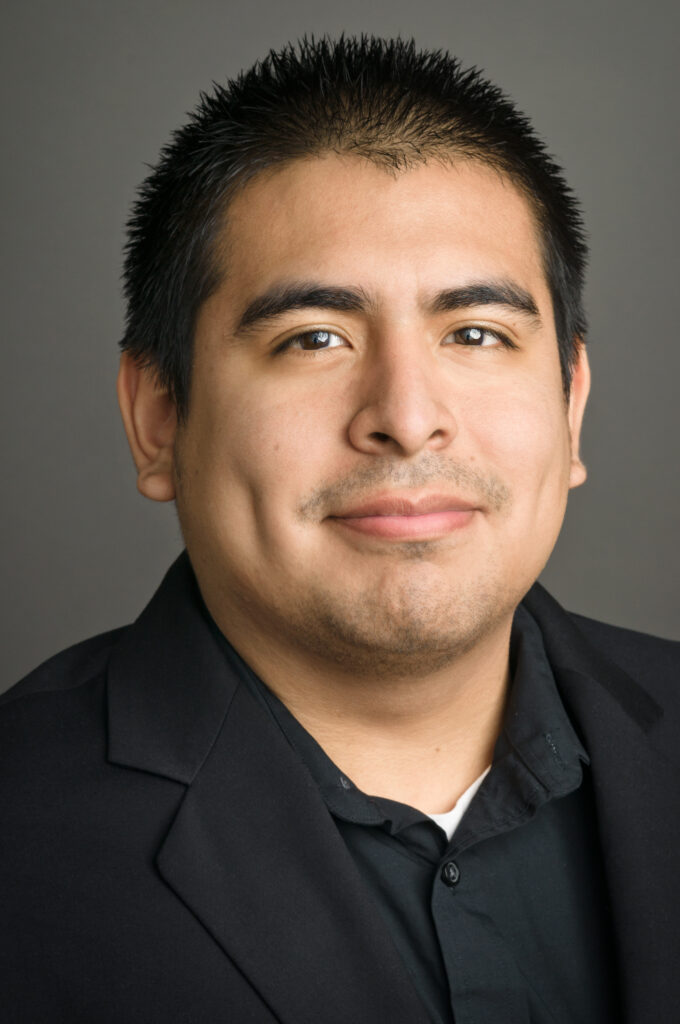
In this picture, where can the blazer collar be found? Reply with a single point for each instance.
(569, 650)
(253, 852)
(169, 687)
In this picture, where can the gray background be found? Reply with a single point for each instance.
(93, 89)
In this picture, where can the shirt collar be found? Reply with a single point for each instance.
(537, 756)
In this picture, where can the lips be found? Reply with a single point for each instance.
(403, 505)
(402, 517)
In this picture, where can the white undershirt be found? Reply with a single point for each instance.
(450, 820)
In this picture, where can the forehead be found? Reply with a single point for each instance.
(349, 221)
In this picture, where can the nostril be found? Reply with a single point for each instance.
(382, 438)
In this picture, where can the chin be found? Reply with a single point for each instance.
(394, 631)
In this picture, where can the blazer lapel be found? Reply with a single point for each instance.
(633, 748)
(256, 855)
(253, 851)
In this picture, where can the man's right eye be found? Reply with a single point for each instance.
(313, 341)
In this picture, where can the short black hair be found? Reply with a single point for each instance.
(383, 100)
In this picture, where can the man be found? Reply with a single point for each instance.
(351, 764)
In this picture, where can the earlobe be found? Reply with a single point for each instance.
(150, 420)
(578, 397)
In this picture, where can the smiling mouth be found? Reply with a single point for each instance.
(395, 517)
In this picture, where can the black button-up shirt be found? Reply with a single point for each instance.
(508, 922)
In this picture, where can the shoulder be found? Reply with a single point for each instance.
(54, 719)
(69, 669)
(652, 660)
(629, 645)
(53, 739)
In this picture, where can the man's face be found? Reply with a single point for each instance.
(377, 456)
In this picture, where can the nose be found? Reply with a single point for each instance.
(403, 405)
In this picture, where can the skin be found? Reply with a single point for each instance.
(391, 650)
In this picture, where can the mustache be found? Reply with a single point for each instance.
(484, 489)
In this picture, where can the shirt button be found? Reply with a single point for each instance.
(450, 873)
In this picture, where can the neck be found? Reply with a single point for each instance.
(419, 738)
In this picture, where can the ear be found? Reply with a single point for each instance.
(150, 420)
(578, 396)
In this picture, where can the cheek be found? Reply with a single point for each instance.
(523, 432)
(262, 451)
(274, 440)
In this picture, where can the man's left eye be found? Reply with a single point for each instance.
(479, 337)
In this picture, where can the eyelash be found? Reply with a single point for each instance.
(502, 338)
(289, 342)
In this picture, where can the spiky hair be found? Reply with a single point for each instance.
(383, 100)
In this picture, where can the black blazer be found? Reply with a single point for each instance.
(165, 858)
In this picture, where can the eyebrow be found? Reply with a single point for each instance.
(492, 293)
(303, 295)
(285, 298)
